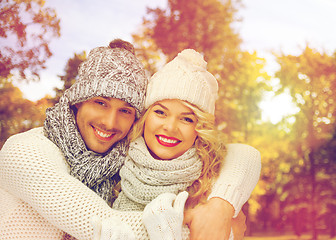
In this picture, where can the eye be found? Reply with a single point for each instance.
(126, 111)
(189, 120)
(100, 102)
(159, 112)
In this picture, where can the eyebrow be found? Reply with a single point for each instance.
(108, 98)
(183, 113)
(128, 105)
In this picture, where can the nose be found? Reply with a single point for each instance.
(110, 120)
(170, 124)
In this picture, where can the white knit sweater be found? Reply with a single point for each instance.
(40, 200)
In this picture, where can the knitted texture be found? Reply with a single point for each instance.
(110, 72)
(143, 178)
(163, 217)
(36, 178)
(40, 200)
(185, 78)
(111, 229)
(236, 181)
(107, 72)
(96, 171)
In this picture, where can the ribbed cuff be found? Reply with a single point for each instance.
(230, 193)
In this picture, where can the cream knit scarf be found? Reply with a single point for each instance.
(96, 171)
(143, 178)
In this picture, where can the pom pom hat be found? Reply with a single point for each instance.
(110, 72)
(184, 78)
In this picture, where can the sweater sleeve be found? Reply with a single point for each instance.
(238, 176)
(33, 170)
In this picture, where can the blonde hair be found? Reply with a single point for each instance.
(210, 148)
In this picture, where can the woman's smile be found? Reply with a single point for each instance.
(167, 141)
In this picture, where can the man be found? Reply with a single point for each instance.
(47, 174)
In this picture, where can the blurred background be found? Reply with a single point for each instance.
(276, 66)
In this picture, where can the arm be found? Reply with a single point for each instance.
(239, 175)
(33, 169)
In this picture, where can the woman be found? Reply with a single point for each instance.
(175, 147)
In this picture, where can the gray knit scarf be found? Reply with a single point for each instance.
(143, 178)
(97, 171)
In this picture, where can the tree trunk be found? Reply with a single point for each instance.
(313, 192)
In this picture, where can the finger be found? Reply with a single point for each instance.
(239, 226)
(180, 200)
(162, 202)
(187, 217)
(166, 200)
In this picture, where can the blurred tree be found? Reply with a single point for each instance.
(25, 33)
(273, 142)
(208, 27)
(205, 26)
(311, 79)
(326, 178)
(146, 49)
(16, 113)
(237, 109)
(71, 72)
(200, 25)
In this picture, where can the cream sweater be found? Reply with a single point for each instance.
(40, 200)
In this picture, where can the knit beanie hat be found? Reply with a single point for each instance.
(185, 78)
(111, 72)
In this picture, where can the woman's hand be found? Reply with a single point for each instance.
(163, 216)
(111, 229)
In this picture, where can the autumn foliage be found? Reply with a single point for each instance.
(297, 187)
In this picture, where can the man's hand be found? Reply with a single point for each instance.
(211, 220)
(239, 226)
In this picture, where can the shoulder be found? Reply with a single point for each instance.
(31, 146)
(34, 132)
(32, 137)
(243, 148)
(244, 154)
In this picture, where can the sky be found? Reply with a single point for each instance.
(267, 26)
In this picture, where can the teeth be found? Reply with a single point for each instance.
(167, 140)
(102, 134)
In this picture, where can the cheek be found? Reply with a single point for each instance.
(149, 124)
(129, 126)
(85, 114)
(79, 120)
(191, 135)
(126, 124)
(149, 134)
(146, 132)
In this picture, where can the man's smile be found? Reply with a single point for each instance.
(102, 135)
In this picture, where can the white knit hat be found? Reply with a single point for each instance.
(185, 78)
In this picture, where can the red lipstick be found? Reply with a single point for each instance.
(167, 141)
